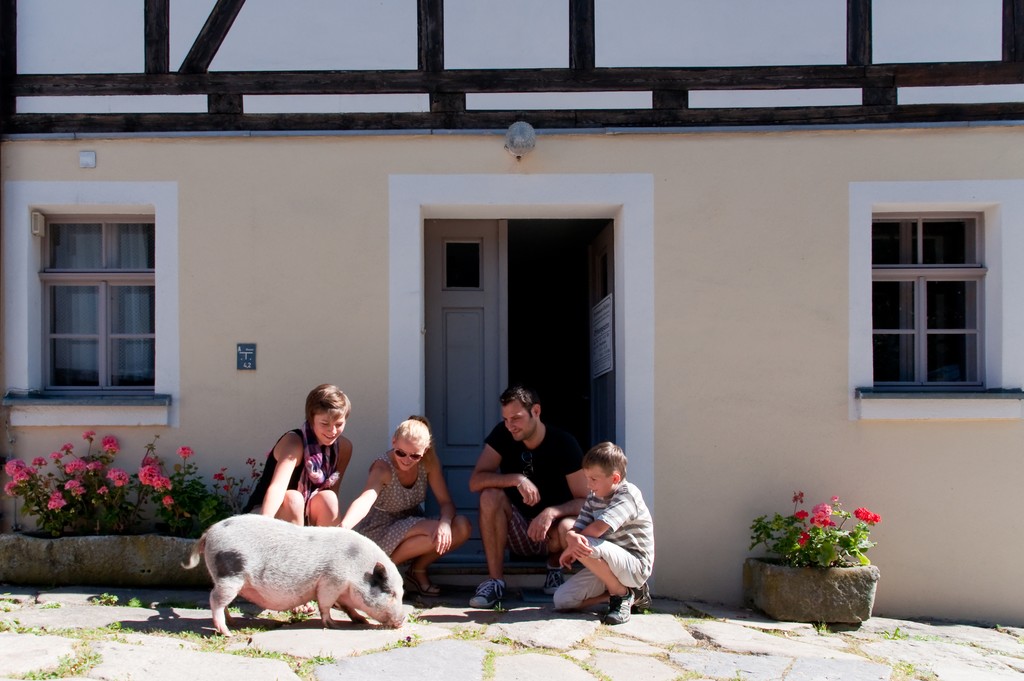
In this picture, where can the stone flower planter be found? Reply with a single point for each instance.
(843, 594)
(147, 560)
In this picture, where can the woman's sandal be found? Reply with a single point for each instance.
(414, 586)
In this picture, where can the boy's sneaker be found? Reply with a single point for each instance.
(641, 598)
(618, 608)
(488, 594)
(554, 580)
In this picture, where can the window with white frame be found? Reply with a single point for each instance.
(926, 301)
(99, 297)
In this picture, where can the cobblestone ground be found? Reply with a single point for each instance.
(155, 635)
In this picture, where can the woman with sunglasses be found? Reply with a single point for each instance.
(390, 509)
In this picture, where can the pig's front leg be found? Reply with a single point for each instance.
(352, 614)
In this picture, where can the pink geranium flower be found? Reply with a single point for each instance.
(56, 501)
(75, 466)
(185, 452)
(117, 476)
(89, 435)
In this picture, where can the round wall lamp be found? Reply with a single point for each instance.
(520, 139)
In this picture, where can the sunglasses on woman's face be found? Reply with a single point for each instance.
(403, 455)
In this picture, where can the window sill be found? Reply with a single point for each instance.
(37, 409)
(882, 405)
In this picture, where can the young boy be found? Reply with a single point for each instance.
(613, 538)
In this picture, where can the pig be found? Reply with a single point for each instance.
(279, 566)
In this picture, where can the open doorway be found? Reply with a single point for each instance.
(509, 301)
(549, 334)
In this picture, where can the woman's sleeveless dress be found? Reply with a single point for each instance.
(396, 510)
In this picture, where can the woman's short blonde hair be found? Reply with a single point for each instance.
(416, 429)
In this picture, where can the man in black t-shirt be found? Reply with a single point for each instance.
(531, 489)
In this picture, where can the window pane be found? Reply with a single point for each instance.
(134, 247)
(462, 264)
(892, 304)
(951, 305)
(893, 243)
(76, 246)
(894, 357)
(949, 242)
(73, 310)
(952, 358)
(131, 310)
(132, 362)
(885, 243)
(74, 362)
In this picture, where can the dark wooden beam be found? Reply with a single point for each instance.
(430, 29)
(209, 40)
(8, 58)
(1013, 30)
(497, 120)
(582, 48)
(522, 80)
(858, 32)
(224, 104)
(157, 18)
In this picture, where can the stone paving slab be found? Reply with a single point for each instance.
(538, 667)
(739, 639)
(309, 639)
(811, 669)
(23, 654)
(656, 629)
(989, 638)
(945, 660)
(433, 661)
(746, 617)
(620, 644)
(558, 634)
(732, 665)
(127, 661)
(148, 598)
(620, 667)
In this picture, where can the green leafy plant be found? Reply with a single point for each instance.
(183, 501)
(816, 539)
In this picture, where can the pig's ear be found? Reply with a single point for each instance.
(379, 577)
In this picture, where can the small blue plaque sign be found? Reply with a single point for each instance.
(246, 357)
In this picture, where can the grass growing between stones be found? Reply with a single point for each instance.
(78, 664)
(906, 671)
(488, 666)
(587, 667)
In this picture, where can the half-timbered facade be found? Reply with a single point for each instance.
(765, 246)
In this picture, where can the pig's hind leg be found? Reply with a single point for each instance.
(224, 591)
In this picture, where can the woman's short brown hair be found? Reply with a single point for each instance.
(327, 398)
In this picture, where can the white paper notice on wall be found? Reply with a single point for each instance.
(602, 355)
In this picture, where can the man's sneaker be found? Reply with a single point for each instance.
(553, 580)
(641, 598)
(618, 608)
(488, 594)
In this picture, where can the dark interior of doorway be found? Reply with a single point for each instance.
(549, 317)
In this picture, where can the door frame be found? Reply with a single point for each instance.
(627, 199)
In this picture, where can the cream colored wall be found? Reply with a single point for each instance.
(283, 242)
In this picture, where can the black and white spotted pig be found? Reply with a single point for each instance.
(280, 566)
